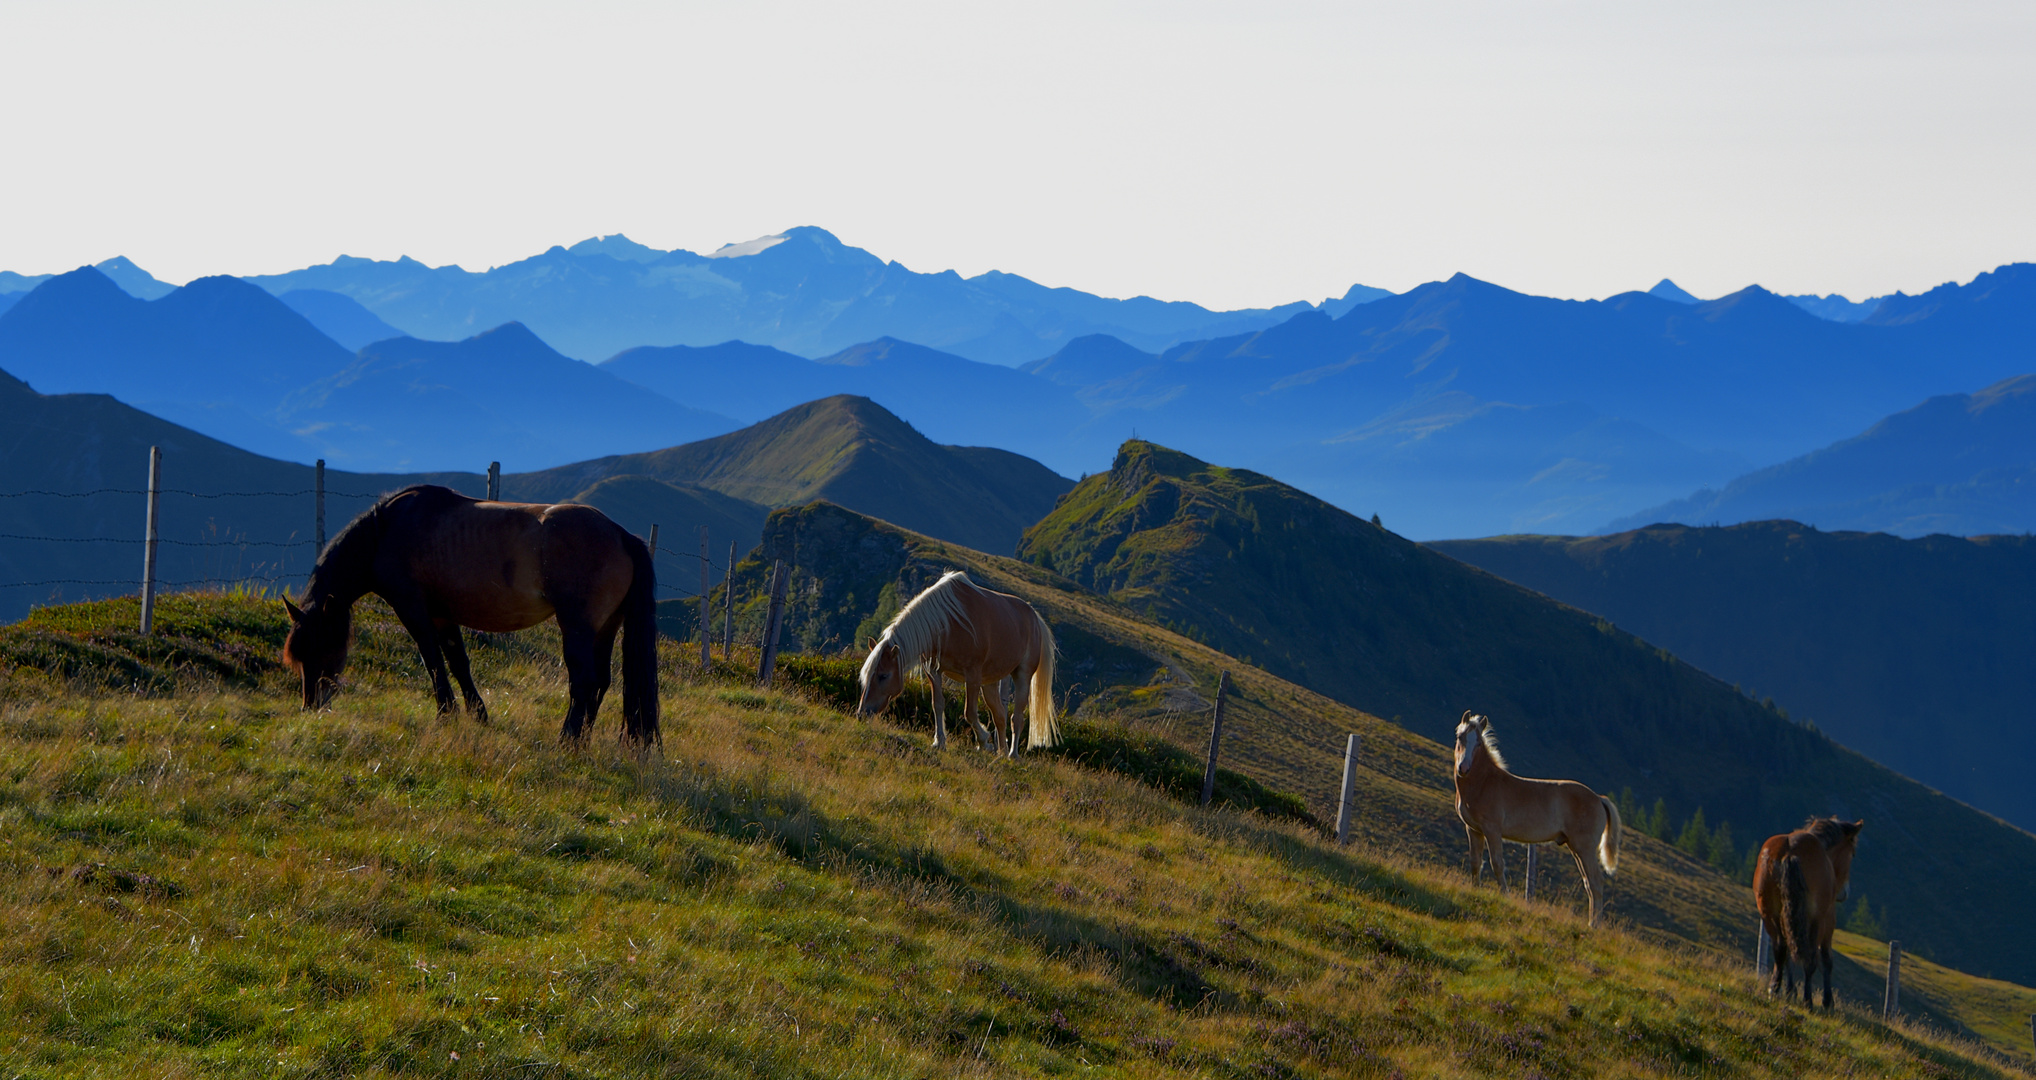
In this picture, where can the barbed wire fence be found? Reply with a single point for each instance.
(277, 576)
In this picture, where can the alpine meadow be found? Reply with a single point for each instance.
(442, 635)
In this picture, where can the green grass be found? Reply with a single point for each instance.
(203, 879)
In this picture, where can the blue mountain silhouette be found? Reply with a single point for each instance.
(802, 291)
(340, 317)
(1963, 464)
(501, 395)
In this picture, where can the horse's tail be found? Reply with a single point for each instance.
(639, 648)
(1608, 844)
(1795, 913)
(1045, 726)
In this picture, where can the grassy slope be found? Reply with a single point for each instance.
(1909, 651)
(849, 450)
(206, 880)
(1261, 570)
(1149, 679)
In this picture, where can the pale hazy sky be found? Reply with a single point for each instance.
(1230, 154)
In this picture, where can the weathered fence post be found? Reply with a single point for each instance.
(494, 481)
(651, 543)
(1533, 864)
(1763, 954)
(148, 542)
(706, 606)
(318, 490)
(1892, 1004)
(1349, 784)
(1215, 740)
(728, 607)
(2032, 1027)
(773, 623)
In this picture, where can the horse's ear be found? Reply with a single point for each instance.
(1852, 827)
(296, 615)
(1466, 717)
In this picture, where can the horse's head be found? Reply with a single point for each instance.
(316, 648)
(1841, 853)
(883, 676)
(1470, 734)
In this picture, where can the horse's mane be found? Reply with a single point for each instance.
(1492, 746)
(343, 565)
(920, 627)
(1829, 831)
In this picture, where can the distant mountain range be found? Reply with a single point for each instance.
(1458, 408)
(227, 359)
(1913, 652)
(802, 291)
(1961, 464)
(1830, 306)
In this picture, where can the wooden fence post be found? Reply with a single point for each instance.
(1215, 740)
(651, 543)
(1533, 864)
(2032, 1027)
(318, 488)
(1892, 1004)
(706, 606)
(773, 624)
(494, 481)
(1763, 954)
(1349, 784)
(148, 543)
(728, 607)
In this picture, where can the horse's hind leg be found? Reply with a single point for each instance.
(588, 650)
(453, 642)
(1594, 881)
(1824, 958)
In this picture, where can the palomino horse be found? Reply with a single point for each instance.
(1497, 806)
(959, 628)
(443, 561)
(1797, 884)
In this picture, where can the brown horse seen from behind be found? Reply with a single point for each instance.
(1497, 806)
(1797, 884)
(956, 627)
(444, 561)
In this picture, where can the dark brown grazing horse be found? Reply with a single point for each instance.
(443, 561)
(1797, 884)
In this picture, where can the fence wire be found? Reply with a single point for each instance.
(713, 566)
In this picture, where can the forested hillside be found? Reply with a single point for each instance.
(1913, 652)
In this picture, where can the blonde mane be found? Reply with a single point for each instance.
(920, 628)
(1491, 742)
(1492, 748)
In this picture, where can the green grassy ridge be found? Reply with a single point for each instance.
(1315, 595)
(844, 448)
(782, 891)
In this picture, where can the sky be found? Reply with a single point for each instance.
(1230, 154)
